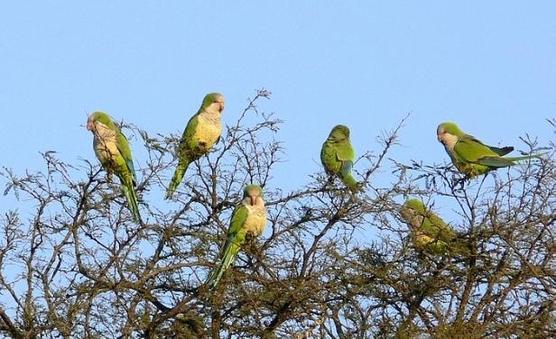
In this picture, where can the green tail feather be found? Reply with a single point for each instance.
(346, 176)
(526, 157)
(350, 182)
(229, 254)
(506, 161)
(132, 201)
(177, 178)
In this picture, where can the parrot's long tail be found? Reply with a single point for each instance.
(177, 178)
(347, 178)
(526, 157)
(231, 248)
(497, 162)
(132, 201)
(350, 182)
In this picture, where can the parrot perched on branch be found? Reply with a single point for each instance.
(248, 218)
(337, 156)
(113, 152)
(428, 231)
(201, 133)
(470, 156)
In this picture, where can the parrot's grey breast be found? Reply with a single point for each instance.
(105, 142)
(256, 219)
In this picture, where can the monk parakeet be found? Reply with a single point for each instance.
(248, 218)
(337, 156)
(201, 133)
(113, 152)
(428, 231)
(470, 156)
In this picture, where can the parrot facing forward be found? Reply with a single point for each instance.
(337, 156)
(113, 152)
(428, 231)
(470, 156)
(248, 218)
(201, 133)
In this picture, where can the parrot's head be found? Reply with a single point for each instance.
(253, 195)
(101, 117)
(448, 134)
(339, 133)
(213, 102)
(413, 212)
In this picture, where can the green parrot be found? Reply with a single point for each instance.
(428, 231)
(248, 218)
(113, 152)
(470, 156)
(337, 156)
(201, 133)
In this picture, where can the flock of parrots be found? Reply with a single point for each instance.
(428, 232)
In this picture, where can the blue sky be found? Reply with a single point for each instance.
(491, 66)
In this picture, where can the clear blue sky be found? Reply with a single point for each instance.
(489, 65)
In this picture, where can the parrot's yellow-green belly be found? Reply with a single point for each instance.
(256, 220)
(208, 131)
(424, 242)
(470, 169)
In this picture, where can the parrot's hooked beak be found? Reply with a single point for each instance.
(253, 199)
(90, 124)
(440, 133)
(441, 136)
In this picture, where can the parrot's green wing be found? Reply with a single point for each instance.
(496, 161)
(234, 241)
(188, 140)
(444, 232)
(128, 179)
(346, 154)
(127, 173)
(186, 147)
(501, 150)
(125, 151)
(433, 226)
(469, 149)
(344, 151)
(328, 158)
(236, 230)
